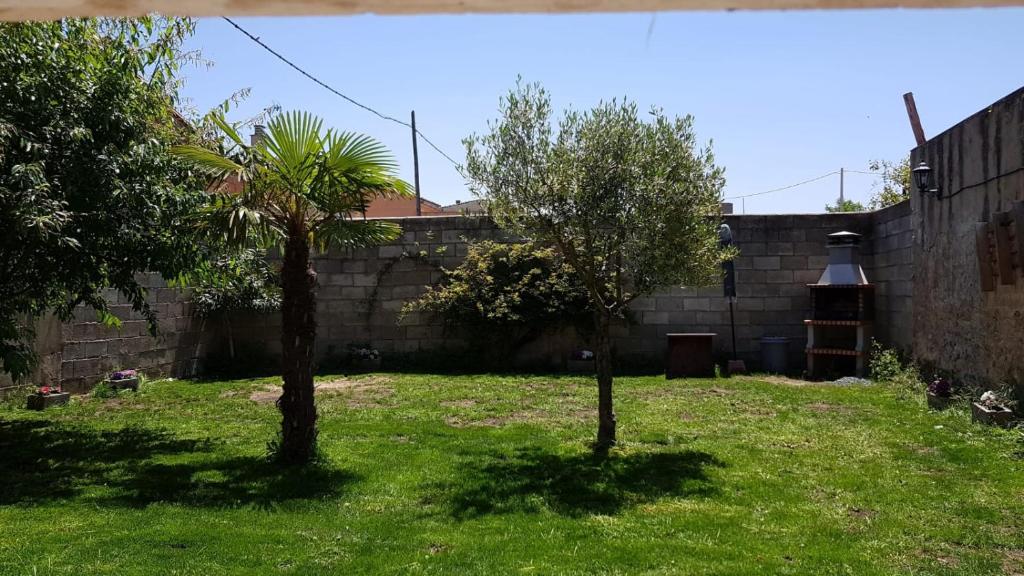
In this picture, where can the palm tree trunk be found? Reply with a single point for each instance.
(603, 361)
(298, 334)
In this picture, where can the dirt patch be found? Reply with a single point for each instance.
(458, 403)
(670, 391)
(940, 556)
(759, 412)
(825, 407)
(862, 513)
(363, 393)
(687, 417)
(491, 422)
(266, 395)
(782, 380)
(1013, 563)
(533, 416)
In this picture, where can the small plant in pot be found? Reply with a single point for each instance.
(939, 393)
(363, 358)
(124, 380)
(46, 396)
(992, 409)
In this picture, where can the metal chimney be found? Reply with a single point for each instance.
(843, 260)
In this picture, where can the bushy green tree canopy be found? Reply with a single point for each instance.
(629, 201)
(88, 194)
(894, 186)
(503, 295)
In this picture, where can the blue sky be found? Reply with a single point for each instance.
(785, 96)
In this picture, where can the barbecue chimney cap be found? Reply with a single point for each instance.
(844, 238)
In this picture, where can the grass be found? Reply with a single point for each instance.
(432, 474)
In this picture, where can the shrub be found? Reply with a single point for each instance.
(504, 295)
(888, 367)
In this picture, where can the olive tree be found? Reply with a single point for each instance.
(630, 202)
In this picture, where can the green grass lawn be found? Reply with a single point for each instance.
(433, 474)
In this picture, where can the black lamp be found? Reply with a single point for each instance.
(923, 180)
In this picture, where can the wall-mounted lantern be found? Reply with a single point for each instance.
(923, 180)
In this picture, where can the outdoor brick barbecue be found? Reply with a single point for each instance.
(842, 312)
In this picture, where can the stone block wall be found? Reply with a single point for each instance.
(91, 351)
(959, 327)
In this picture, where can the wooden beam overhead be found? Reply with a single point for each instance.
(54, 9)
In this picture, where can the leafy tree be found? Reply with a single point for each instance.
(240, 281)
(505, 295)
(895, 184)
(629, 203)
(845, 205)
(88, 194)
(301, 187)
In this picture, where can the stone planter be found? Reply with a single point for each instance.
(936, 402)
(43, 401)
(999, 416)
(125, 384)
(736, 367)
(581, 366)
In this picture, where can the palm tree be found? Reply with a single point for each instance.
(302, 188)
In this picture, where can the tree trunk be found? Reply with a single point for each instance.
(603, 362)
(298, 333)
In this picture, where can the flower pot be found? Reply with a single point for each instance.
(43, 401)
(936, 402)
(998, 416)
(125, 384)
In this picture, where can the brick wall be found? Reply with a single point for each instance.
(979, 167)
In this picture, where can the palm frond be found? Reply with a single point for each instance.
(206, 160)
(218, 119)
(239, 224)
(292, 145)
(351, 233)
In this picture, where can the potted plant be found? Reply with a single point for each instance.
(46, 396)
(581, 362)
(939, 394)
(124, 380)
(364, 358)
(992, 409)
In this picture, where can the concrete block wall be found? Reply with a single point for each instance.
(91, 350)
(361, 292)
(892, 271)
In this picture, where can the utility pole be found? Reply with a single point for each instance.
(842, 173)
(416, 164)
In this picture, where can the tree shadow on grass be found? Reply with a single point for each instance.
(136, 466)
(575, 485)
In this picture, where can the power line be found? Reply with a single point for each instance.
(822, 177)
(331, 89)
